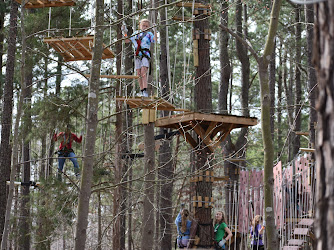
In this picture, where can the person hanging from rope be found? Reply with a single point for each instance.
(65, 150)
(142, 40)
(256, 231)
(183, 225)
(220, 228)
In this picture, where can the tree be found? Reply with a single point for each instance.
(203, 103)
(91, 125)
(118, 199)
(6, 121)
(165, 189)
(323, 56)
(263, 62)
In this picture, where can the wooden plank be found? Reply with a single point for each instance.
(238, 121)
(301, 231)
(302, 133)
(241, 120)
(306, 222)
(116, 76)
(188, 138)
(206, 139)
(222, 137)
(68, 39)
(210, 129)
(34, 4)
(291, 248)
(221, 178)
(78, 47)
(295, 242)
(309, 150)
(147, 103)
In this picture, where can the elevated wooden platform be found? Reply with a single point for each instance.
(211, 128)
(76, 48)
(34, 4)
(148, 103)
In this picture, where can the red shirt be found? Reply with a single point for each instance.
(65, 140)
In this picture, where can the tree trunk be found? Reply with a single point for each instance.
(312, 78)
(15, 165)
(271, 233)
(224, 60)
(2, 37)
(7, 110)
(203, 103)
(279, 103)
(298, 97)
(118, 199)
(323, 55)
(272, 82)
(165, 153)
(128, 66)
(91, 125)
(147, 230)
(24, 223)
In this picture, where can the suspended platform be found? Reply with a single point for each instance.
(76, 48)
(148, 103)
(34, 4)
(211, 128)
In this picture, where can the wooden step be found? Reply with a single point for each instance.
(291, 248)
(294, 242)
(306, 222)
(301, 231)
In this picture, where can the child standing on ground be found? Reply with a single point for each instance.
(257, 233)
(220, 228)
(142, 40)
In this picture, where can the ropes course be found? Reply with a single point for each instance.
(294, 185)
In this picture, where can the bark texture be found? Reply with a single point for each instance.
(147, 230)
(203, 103)
(324, 61)
(91, 125)
(165, 173)
(7, 110)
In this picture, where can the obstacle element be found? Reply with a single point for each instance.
(180, 18)
(115, 76)
(211, 128)
(34, 4)
(76, 48)
(148, 103)
(29, 183)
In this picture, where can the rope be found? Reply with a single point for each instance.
(70, 26)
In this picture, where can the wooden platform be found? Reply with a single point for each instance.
(34, 4)
(301, 231)
(76, 48)
(294, 242)
(306, 222)
(148, 103)
(211, 128)
(291, 248)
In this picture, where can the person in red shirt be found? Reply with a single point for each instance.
(65, 150)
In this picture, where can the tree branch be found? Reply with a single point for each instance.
(243, 41)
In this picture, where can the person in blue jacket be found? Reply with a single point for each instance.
(142, 40)
(183, 225)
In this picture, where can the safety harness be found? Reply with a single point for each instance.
(140, 49)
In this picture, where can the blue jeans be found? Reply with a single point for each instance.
(62, 159)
